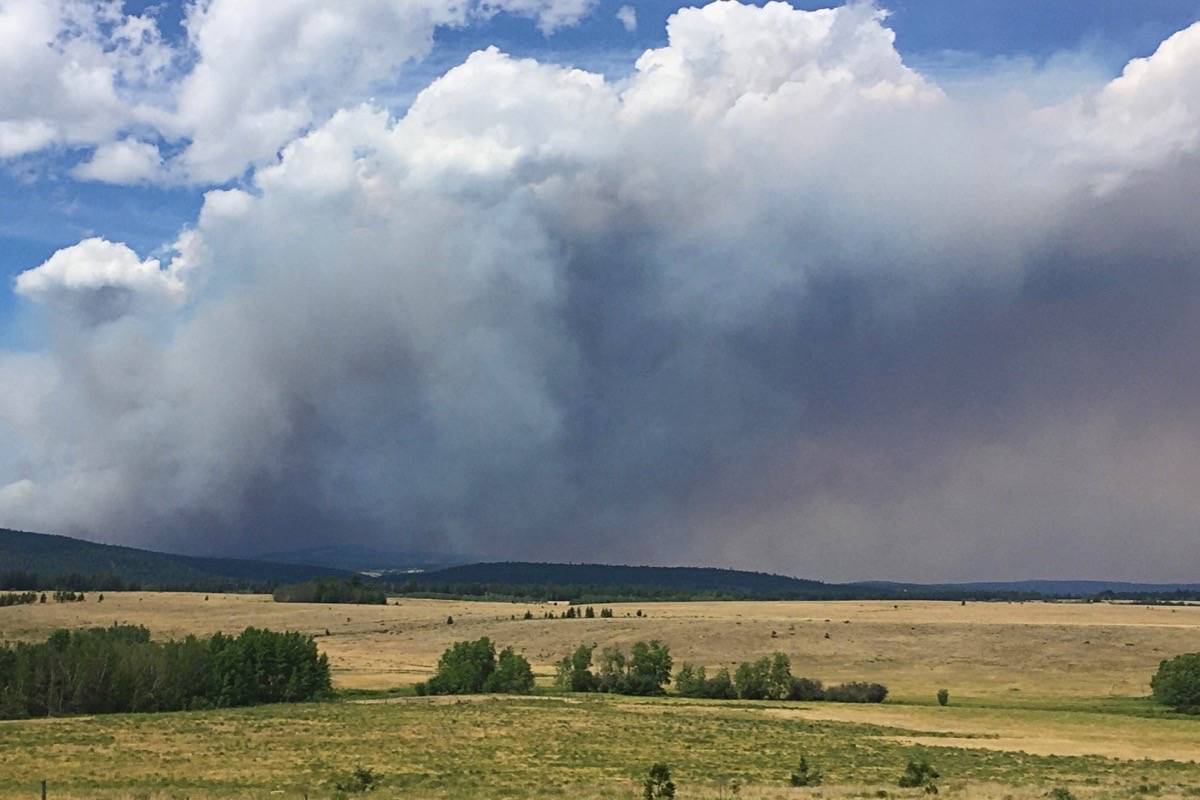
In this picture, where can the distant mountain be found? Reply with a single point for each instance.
(1077, 588)
(48, 556)
(596, 582)
(357, 558)
(612, 582)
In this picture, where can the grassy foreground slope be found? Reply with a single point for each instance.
(582, 748)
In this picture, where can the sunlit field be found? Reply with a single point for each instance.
(1042, 695)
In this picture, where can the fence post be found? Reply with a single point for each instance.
(43, 789)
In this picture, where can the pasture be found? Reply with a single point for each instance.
(1042, 695)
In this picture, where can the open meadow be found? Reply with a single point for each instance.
(1042, 695)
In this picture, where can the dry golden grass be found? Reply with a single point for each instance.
(1042, 694)
(981, 651)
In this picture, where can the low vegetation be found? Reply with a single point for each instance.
(119, 669)
(476, 668)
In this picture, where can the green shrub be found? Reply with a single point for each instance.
(806, 689)
(512, 675)
(363, 779)
(1061, 793)
(943, 697)
(806, 774)
(659, 785)
(1177, 683)
(919, 772)
(575, 671)
(694, 682)
(473, 668)
(857, 692)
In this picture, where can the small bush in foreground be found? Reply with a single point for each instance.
(943, 697)
(363, 779)
(659, 785)
(1061, 793)
(806, 774)
(919, 772)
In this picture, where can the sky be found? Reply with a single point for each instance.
(869, 291)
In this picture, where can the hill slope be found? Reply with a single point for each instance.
(48, 556)
(596, 581)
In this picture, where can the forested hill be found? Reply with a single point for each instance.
(62, 562)
(596, 582)
(601, 582)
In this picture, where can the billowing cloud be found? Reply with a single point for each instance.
(774, 301)
(247, 79)
(99, 280)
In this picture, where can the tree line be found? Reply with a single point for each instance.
(119, 669)
(14, 599)
(770, 678)
(332, 590)
(32, 581)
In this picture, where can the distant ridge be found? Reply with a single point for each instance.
(48, 556)
(590, 581)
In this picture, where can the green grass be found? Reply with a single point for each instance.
(552, 746)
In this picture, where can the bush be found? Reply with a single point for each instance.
(575, 671)
(943, 697)
(512, 675)
(659, 785)
(752, 679)
(363, 779)
(1060, 793)
(473, 668)
(857, 692)
(694, 682)
(919, 772)
(806, 689)
(1177, 683)
(806, 774)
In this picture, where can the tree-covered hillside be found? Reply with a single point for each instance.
(62, 562)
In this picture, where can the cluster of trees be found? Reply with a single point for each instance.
(14, 599)
(31, 581)
(577, 613)
(118, 669)
(476, 667)
(1177, 683)
(67, 596)
(332, 590)
(770, 678)
(645, 671)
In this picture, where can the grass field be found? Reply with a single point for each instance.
(1042, 695)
